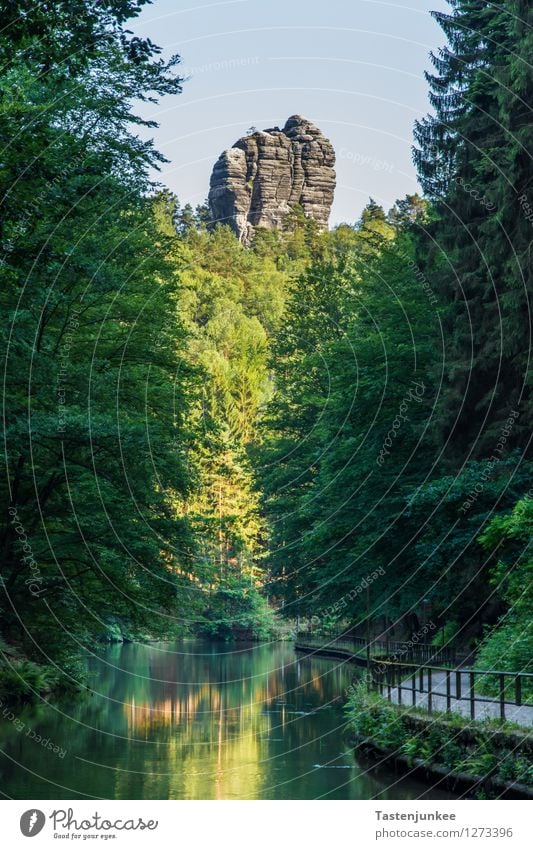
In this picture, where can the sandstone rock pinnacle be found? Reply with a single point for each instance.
(264, 175)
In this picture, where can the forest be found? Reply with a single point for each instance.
(324, 428)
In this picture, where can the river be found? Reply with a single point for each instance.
(194, 720)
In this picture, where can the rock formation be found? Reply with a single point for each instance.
(266, 174)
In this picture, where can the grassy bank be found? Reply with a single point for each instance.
(490, 757)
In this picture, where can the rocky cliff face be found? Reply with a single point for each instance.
(263, 176)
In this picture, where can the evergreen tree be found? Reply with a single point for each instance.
(474, 165)
(355, 349)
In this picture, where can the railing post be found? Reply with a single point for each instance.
(518, 690)
(448, 692)
(472, 697)
(421, 675)
(413, 689)
(430, 696)
(399, 685)
(458, 685)
(502, 696)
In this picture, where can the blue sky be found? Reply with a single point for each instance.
(354, 67)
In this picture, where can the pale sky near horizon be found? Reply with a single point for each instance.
(354, 68)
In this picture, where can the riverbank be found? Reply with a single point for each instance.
(26, 682)
(483, 759)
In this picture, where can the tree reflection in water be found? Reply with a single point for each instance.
(197, 720)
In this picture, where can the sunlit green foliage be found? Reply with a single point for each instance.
(95, 419)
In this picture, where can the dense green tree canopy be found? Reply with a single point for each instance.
(334, 424)
(97, 388)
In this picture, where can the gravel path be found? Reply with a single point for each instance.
(523, 714)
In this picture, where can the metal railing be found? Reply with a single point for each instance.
(445, 688)
(426, 676)
(387, 649)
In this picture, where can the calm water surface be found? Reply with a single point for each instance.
(194, 720)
